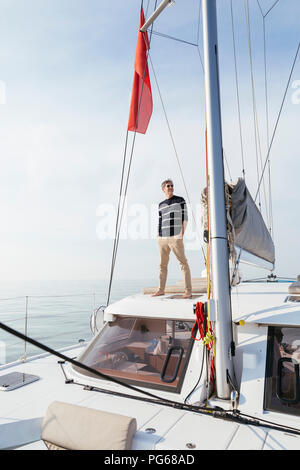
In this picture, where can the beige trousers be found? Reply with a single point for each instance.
(174, 244)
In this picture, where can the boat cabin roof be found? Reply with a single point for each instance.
(265, 303)
(169, 306)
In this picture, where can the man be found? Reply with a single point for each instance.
(172, 223)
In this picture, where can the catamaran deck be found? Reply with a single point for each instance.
(22, 414)
(22, 410)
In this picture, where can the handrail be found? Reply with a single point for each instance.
(279, 393)
(164, 369)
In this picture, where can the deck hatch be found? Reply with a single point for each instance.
(15, 380)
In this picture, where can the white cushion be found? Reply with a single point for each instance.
(73, 427)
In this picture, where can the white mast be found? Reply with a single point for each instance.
(218, 231)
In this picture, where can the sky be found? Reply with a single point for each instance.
(65, 86)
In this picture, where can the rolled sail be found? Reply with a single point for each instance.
(245, 223)
(251, 233)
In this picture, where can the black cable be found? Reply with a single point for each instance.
(76, 363)
(201, 372)
(219, 413)
(269, 424)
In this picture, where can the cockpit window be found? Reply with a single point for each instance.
(147, 352)
(282, 390)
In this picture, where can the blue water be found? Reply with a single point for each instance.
(59, 312)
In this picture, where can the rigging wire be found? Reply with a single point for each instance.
(270, 143)
(227, 166)
(122, 199)
(175, 150)
(270, 9)
(246, 6)
(198, 36)
(278, 119)
(271, 220)
(237, 91)
(117, 221)
(264, 15)
(255, 115)
(119, 217)
(167, 36)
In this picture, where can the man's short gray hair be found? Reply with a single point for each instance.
(163, 184)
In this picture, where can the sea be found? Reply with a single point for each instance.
(56, 313)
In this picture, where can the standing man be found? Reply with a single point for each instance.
(172, 223)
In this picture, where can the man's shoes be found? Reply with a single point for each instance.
(158, 293)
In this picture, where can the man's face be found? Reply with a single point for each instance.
(168, 189)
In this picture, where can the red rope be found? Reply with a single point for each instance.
(203, 328)
(199, 321)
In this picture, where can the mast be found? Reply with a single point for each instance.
(218, 230)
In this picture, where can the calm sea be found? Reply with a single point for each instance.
(59, 312)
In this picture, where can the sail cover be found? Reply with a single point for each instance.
(245, 223)
(250, 231)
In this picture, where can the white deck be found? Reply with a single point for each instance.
(165, 306)
(23, 409)
(265, 304)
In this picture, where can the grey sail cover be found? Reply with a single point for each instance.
(250, 231)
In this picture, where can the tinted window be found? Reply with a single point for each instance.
(147, 352)
(282, 390)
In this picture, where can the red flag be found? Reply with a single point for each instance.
(141, 99)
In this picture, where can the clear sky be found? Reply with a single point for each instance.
(66, 77)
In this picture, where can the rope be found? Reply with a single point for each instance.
(207, 337)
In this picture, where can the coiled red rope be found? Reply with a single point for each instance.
(205, 333)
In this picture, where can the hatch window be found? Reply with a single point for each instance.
(282, 390)
(294, 298)
(147, 352)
